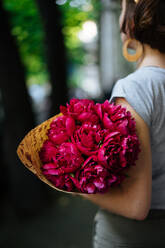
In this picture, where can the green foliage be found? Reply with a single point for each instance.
(73, 18)
(27, 28)
(72, 21)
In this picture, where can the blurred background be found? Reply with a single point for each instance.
(50, 51)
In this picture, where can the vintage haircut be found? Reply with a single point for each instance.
(145, 22)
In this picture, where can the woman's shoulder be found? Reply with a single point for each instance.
(146, 82)
(140, 89)
(147, 76)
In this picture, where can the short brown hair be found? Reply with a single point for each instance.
(145, 21)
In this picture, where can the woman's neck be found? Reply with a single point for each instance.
(151, 57)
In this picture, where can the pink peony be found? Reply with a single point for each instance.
(118, 151)
(88, 138)
(67, 160)
(82, 110)
(131, 149)
(48, 152)
(61, 129)
(63, 182)
(94, 177)
(115, 118)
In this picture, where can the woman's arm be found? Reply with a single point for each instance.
(132, 198)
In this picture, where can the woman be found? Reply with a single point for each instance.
(133, 215)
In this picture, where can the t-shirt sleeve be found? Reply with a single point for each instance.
(137, 95)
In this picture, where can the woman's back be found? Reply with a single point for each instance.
(145, 92)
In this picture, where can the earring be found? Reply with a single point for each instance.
(132, 57)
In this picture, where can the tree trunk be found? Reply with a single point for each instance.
(55, 50)
(25, 188)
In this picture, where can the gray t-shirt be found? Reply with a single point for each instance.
(144, 90)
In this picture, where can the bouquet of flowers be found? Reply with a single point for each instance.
(87, 148)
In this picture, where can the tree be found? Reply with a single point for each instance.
(56, 56)
(25, 189)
